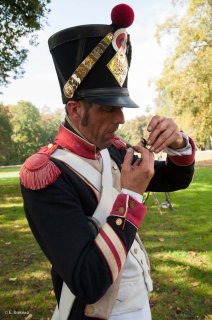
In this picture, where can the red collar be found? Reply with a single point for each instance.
(69, 140)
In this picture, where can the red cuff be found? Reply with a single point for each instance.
(184, 160)
(127, 208)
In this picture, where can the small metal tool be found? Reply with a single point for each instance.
(142, 143)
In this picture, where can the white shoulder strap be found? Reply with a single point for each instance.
(104, 184)
(79, 165)
(65, 305)
(108, 193)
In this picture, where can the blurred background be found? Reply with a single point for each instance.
(170, 72)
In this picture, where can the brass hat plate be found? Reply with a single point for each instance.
(118, 66)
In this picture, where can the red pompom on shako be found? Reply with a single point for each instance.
(122, 15)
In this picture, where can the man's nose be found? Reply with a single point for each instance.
(119, 116)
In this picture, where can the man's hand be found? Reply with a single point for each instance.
(137, 176)
(164, 133)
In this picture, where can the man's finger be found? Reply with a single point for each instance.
(140, 149)
(128, 158)
(146, 156)
(163, 139)
(166, 143)
(161, 127)
(137, 162)
(154, 122)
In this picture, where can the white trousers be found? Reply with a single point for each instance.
(144, 314)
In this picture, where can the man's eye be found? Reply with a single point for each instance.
(108, 109)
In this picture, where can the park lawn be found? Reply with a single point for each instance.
(26, 286)
(178, 243)
(179, 246)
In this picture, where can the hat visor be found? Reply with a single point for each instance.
(112, 97)
(121, 102)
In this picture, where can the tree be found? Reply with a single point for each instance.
(18, 19)
(24, 129)
(6, 133)
(49, 123)
(184, 90)
(27, 131)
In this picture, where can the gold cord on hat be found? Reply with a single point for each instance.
(86, 65)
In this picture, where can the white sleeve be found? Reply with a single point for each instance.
(138, 197)
(186, 151)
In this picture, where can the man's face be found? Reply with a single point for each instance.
(99, 123)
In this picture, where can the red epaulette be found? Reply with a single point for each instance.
(118, 143)
(38, 171)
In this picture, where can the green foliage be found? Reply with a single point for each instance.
(184, 90)
(24, 129)
(132, 131)
(49, 123)
(18, 19)
(25, 120)
(6, 132)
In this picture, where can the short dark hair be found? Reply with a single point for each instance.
(87, 104)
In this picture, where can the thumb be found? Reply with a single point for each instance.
(128, 158)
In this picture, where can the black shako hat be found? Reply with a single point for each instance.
(92, 61)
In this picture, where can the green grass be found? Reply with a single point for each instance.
(178, 243)
(26, 286)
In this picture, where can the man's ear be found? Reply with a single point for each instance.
(74, 110)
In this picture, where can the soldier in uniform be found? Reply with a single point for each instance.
(83, 193)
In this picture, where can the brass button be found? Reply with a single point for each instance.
(50, 145)
(135, 250)
(89, 309)
(121, 210)
(118, 221)
(132, 204)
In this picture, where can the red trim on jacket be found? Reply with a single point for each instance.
(69, 140)
(128, 208)
(184, 160)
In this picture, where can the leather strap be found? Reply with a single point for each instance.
(79, 165)
(108, 193)
(65, 305)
